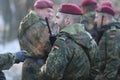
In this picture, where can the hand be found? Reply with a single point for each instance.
(41, 62)
(20, 56)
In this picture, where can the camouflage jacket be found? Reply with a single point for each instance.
(68, 59)
(30, 36)
(6, 61)
(109, 53)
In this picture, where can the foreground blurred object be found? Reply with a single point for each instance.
(2, 76)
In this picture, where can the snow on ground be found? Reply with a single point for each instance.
(14, 73)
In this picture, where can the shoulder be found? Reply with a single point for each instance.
(61, 39)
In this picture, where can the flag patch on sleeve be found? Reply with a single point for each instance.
(56, 47)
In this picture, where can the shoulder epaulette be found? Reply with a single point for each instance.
(63, 37)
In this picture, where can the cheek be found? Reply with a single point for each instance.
(50, 14)
(58, 21)
(97, 20)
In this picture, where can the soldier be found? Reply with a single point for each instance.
(88, 8)
(68, 58)
(33, 37)
(8, 59)
(108, 30)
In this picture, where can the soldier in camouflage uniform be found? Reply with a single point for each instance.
(88, 8)
(68, 59)
(33, 37)
(109, 53)
(8, 59)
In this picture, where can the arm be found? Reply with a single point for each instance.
(8, 59)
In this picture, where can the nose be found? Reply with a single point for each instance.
(50, 16)
(95, 20)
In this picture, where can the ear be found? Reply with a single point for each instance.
(68, 21)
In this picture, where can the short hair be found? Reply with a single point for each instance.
(75, 18)
(90, 7)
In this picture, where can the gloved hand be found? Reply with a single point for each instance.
(20, 56)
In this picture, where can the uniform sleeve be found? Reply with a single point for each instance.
(6, 61)
(55, 64)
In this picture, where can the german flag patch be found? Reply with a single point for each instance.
(56, 47)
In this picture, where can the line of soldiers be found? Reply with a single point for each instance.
(78, 43)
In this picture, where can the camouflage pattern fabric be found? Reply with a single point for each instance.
(109, 53)
(88, 21)
(6, 61)
(2, 76)
(67, 59)
(31, 68)
(30, 34)
(33, 37)
(89, 17)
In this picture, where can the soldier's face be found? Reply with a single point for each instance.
(98, 19)
(46, 12)
(49, 13)
(60, 20)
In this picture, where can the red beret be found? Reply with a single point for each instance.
(106, 9)
(88, 2)
(107, 3)
(43, 4)
(70, 8)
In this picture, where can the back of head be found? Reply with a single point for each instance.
(40, 4)
(88, 5)
(106, 7)
(33, 34)
(88, 2)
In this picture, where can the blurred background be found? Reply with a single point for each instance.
(11, 13)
